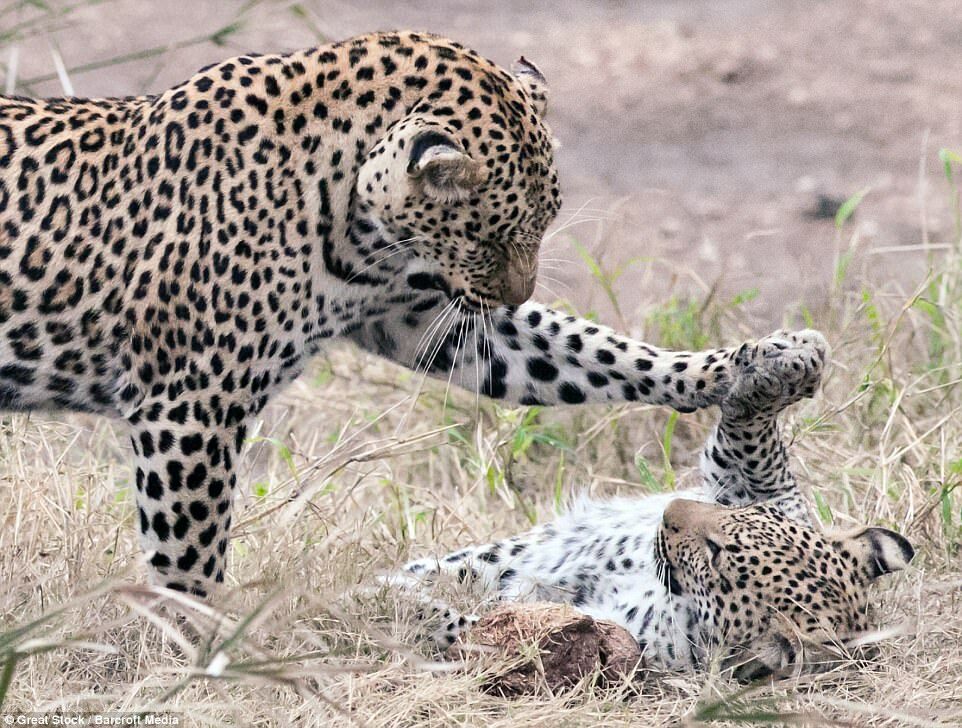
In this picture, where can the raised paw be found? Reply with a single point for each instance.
(775, 372)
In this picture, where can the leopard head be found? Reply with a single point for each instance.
(764, 585)
(466, 182)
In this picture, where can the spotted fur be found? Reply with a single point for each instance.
(736, 564)
(173, 260)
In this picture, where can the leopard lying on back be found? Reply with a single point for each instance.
(691, 571)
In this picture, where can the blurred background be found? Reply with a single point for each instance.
(706, 145)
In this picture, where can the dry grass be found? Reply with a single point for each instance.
(334, 493)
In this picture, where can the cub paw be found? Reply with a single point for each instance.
(775, 372)
(453, 624)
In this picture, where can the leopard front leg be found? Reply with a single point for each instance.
(186, 453)
(744, 460)
(531, 354)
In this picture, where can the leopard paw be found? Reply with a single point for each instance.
(775, 372)
(453, 624)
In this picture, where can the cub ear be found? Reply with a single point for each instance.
(533, 81)
(881, 551)
(443, 169)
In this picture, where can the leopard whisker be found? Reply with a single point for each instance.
(574, 212)
(549, 290)
(568, 225)
(406, 245)
(444, 329)
(428, 335)
(477, 369)
(527, 262)
(451, 320)
(485, 319)
(562, 284)
(596, 210)
(438, 346)
(462, 320)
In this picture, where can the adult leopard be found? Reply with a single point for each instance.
(733, 568)
(171, 260)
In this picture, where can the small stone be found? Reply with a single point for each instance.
(826, 207)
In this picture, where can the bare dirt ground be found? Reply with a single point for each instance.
(706, 145)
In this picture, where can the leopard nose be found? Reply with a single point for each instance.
(518, 286)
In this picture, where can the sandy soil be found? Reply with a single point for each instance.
(713, 139)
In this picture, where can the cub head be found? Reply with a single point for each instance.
(763, 584)
(466, 182)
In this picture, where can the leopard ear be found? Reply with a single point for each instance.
(534, 83)
(442, 168)
(880, 551)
